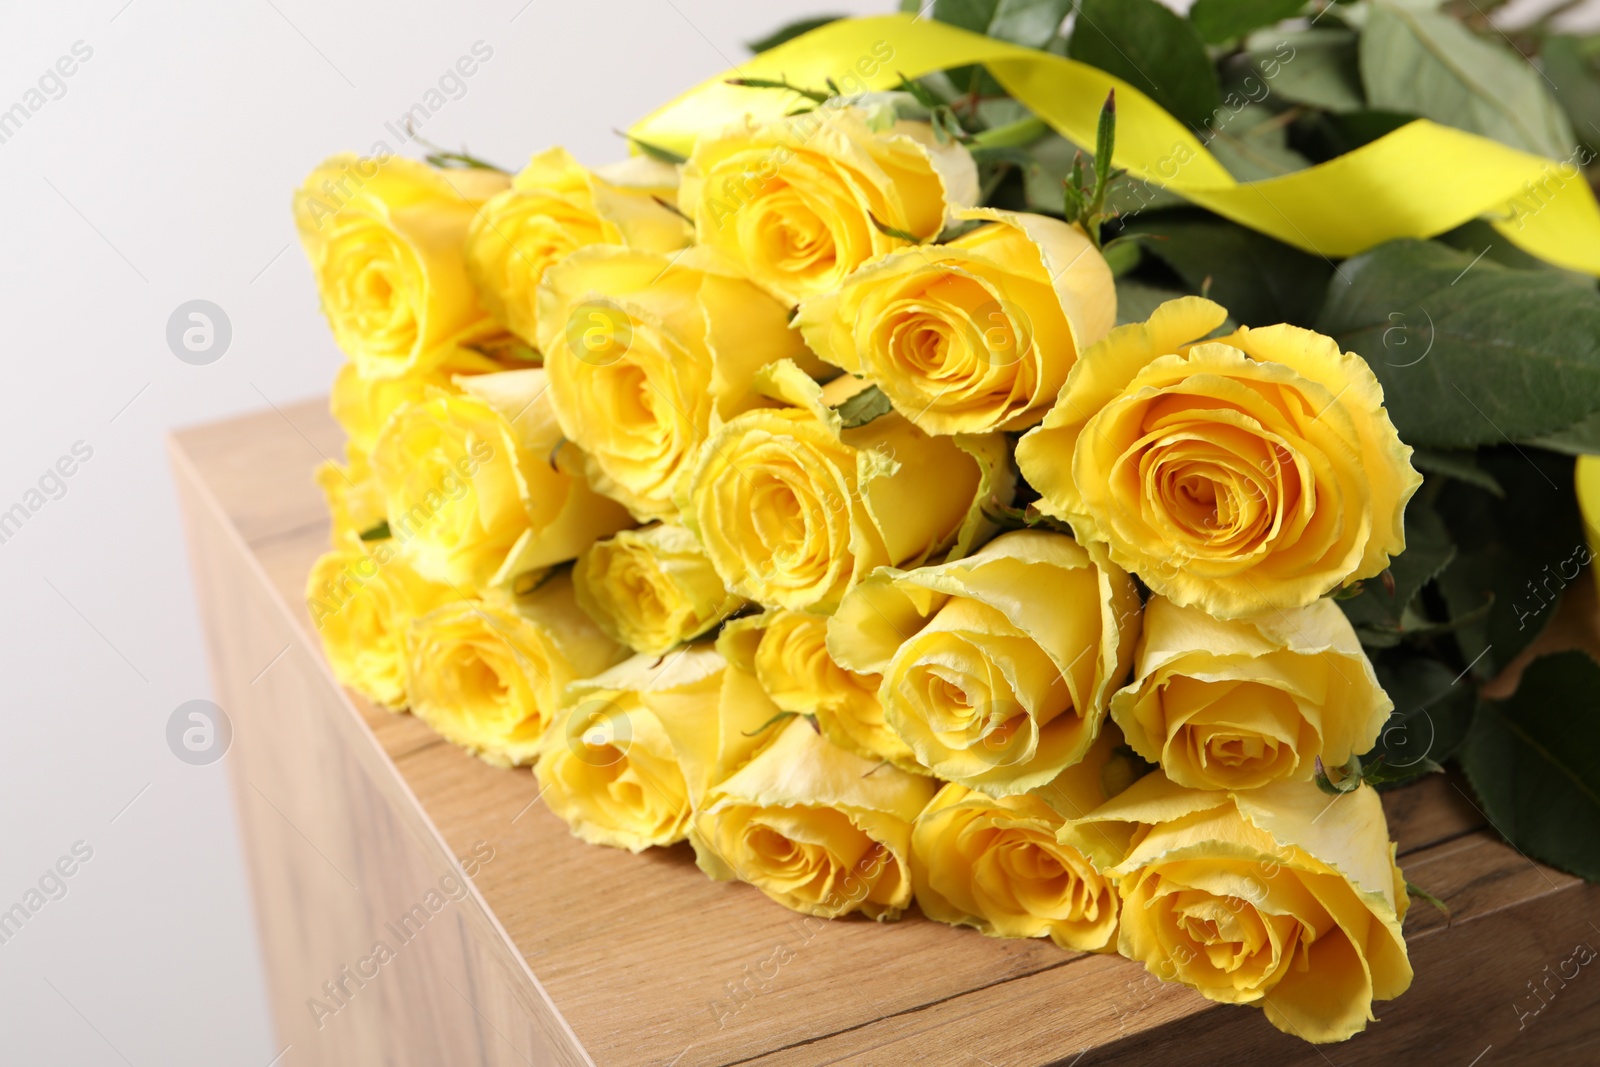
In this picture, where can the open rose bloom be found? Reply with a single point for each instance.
(1280, 897)
(1251, 473)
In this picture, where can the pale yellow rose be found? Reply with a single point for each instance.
(555, 207)
(491, 674)
(353, 495)
(996, 864)
(386, 238)
(1281, 897)
(792, 201)
(794, 509)
(1236, 705)
(643, 351)
(475, 488)
(997, 668)
(787, 652)
(973, 335)
(1250, 473)
(652, 589)
(638, 746)
(363, 598)
(814, 827)
(361, 406)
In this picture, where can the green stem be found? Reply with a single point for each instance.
(1424, 895)
(1011, 135)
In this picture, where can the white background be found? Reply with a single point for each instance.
(163, 175)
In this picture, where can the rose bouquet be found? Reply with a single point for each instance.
(1047, 470)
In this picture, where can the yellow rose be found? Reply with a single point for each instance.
(1279, 896)
(974, 335)
(995, 863)
(639, 745)
(1255, 472)
(362, 406)
(643, 349)
(555, 207)
(793, 201)
(997, 668)
(353, 495)
(814, 827)
(1236, 705)
(386, 238)
(362, 600)
(787, 652)
(794, 509)
(651, 589)
(471, 491)
(489, 675)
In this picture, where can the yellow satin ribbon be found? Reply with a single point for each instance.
(1418, 181)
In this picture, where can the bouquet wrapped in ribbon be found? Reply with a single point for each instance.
(1048, 472)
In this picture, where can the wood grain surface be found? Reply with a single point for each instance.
(555, 952)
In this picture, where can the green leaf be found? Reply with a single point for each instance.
(1004, 153)
(1249, 144)
(974, 15)
(1122, 255)
(1331, 135)
(1534, 761)
(1580, 439)
(1573, 63)
(1258, 280)
(1223, 20)
(380, 532)
(1380, 775)
(816, 96)
(1514, 556)
(790, 32)
(1028, 22)
(654, 151)
(1461, 465)
(1478, 236)
(1319, 66)
(1469, 353)
(863, 407)
(461, 161)
(1379, 612)
(1136, 299)
(1430, 64)
(1151, 48)
(1432, 709)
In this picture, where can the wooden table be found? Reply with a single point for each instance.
(556, 952)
